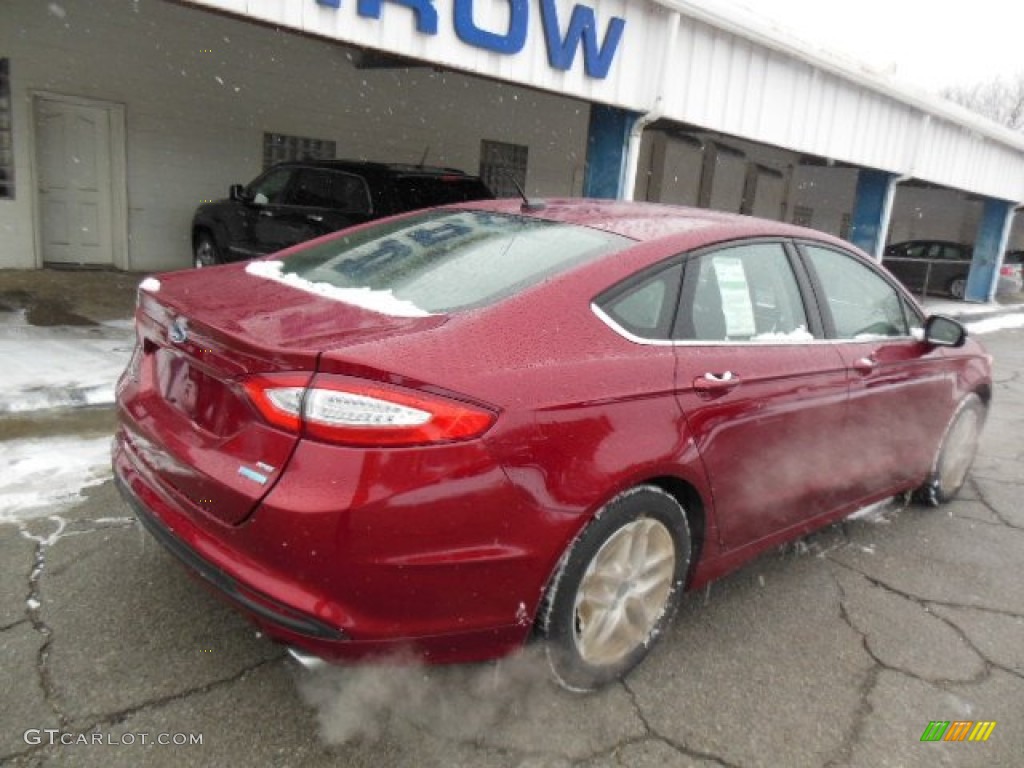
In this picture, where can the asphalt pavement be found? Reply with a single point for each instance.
(839, 650)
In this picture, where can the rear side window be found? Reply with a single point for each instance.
(746, 292)
(647, 308)
(442, 261)
(317, 188)
(863, 305)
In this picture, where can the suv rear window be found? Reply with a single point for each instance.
(442, 261)
(421, 191)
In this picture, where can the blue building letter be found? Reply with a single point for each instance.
(511, 42)
(582, 28)
(426, 15)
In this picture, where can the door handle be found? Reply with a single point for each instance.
(716, 383)
(865, 365)
(314, 218)
(267, 213)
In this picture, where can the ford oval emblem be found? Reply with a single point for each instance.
(178, 332)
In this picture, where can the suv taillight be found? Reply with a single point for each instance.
(348, 411)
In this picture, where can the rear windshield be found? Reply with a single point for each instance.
(426, 191)
(442, 261)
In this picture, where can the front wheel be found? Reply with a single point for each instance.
(956, 453)
(616, 589)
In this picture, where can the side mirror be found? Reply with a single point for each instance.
(942, 331)
(237, 193)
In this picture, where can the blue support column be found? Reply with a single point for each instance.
(607, 142)
(871, 210)
(989, 244)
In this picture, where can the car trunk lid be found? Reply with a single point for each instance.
(201, 334)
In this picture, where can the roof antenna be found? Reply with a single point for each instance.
(537, 204)
(423, 159)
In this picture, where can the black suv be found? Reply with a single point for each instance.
(296, 201)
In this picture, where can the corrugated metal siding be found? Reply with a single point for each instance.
(718, 79)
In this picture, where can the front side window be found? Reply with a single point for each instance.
(863, 305)
(269, 189)
(913, 251)
(442, 261)
(742, 293)
(954, 253)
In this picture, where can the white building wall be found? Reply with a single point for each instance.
(727, 73)
(199, 90)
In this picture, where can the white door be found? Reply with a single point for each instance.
(73, 162)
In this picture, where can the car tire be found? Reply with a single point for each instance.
(206, 253)
(616, 588)
(957, 287)
(956, 453)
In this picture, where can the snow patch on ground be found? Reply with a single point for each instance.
(71, 367)
(873, 513)
(40, 476)
(997, 323)
(384, 302)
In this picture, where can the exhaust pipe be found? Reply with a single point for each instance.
(307, 660)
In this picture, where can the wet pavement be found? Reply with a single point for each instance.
(53, 297)
(835, 651)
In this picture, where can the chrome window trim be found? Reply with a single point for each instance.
(628, 336)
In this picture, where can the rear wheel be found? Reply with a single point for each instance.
(617, 588)
(207, 254)
(956, 453)
(958, 287)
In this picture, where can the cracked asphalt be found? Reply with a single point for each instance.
(835, 651)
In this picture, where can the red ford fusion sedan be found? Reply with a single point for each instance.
(459, 429)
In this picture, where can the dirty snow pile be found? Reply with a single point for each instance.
(43, 368)
(39, 475)
(54, 367)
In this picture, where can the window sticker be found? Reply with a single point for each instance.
(736, 305)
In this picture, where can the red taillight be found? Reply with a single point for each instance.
(278, 398)
(353, 412)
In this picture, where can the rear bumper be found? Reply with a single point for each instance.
(309, 583)
(262, 607)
